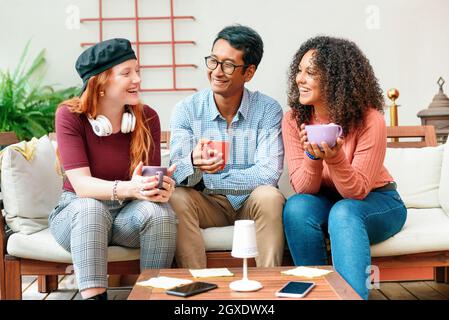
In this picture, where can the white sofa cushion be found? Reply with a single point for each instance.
(425, 230)
(417, 172)
(444, 181)
(284, 182)
(42, 246)
(165, 157)
(30, 189)
(218, 239)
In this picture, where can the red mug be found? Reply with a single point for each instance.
(221, 147)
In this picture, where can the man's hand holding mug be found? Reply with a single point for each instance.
(210, 156)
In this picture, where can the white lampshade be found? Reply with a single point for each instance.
(244, 241)
(244, 246)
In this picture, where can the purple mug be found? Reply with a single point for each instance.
(160, 172)
(328, 133)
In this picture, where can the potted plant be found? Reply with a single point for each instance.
(28, 107)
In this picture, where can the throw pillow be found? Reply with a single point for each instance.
(444, 181)
(30, 188)
(417, 172)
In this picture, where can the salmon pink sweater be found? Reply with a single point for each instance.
(353, 172)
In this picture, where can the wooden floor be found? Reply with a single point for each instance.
(416, 290)
(411, 290)
(67, 290)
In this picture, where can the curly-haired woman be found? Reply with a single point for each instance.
(345, 190)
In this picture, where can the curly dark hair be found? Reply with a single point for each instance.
(346, 78)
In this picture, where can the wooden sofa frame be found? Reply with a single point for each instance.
(405, 264)
(13, 268)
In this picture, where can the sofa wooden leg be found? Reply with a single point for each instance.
(13, 279)
(114, 280)
(128, 280)
(47, 284)
(438, 274)
(2, 280)
(122, 280)
(441, 274)
(446, 274)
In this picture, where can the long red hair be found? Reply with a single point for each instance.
(141, 140)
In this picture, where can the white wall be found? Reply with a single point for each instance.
(407, 41)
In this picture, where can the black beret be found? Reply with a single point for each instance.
(102, 56)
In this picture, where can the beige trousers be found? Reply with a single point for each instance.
(197, 210)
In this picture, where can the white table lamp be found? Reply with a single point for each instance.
(244, 246)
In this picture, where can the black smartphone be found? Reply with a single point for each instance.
(295, 289)
(191, 289)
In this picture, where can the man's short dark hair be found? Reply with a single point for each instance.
(243, 38)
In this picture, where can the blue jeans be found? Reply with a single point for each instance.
(353, 225)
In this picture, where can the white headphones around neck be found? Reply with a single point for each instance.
(103, 127)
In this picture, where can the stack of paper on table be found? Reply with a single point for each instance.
(306, 272)
(164, 282)
(211, 272)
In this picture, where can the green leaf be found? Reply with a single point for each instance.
(26, 105)
(19, 69)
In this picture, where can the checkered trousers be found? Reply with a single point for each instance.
(85, 227)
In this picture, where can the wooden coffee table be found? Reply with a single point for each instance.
(330, 287)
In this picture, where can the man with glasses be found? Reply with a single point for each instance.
(213, 192)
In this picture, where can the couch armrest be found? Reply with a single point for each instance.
(3, 232)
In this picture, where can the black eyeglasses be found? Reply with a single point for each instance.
(226, 66)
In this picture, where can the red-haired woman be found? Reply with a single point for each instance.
(104, 138)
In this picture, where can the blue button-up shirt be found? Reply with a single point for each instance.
(256, 149)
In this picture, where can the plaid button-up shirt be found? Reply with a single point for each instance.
(256, 150)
